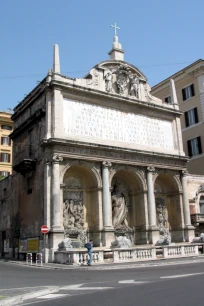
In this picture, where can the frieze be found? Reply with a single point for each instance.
(119, 156)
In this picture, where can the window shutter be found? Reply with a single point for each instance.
(9, 173)
(192, 90)
(189, 148)
(9, 158)
(0, 157)
(196, 114)
(186, 119)
(2, 140)
(199, 145)
(9, 141)
(184, 94)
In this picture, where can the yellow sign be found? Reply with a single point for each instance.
(33, 245)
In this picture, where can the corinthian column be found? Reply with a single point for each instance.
(186, 211)
(56, 222)
(107, 207)
(150, 197)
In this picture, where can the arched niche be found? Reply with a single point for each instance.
(128, 184)
(167, 190)
(80, 188)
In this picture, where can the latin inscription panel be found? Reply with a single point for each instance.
(101, 123)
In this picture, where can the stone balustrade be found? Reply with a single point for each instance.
(180, 251)
(78, 257)
(134, 254)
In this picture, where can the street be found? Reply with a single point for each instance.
(180, 284)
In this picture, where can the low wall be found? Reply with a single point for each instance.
(80, 256)
(77, 256)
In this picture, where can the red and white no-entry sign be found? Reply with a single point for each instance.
(44, 229)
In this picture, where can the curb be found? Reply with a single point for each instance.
(15, 300)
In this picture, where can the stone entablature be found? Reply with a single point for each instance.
(79, 150)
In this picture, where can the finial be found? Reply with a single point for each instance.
(173, 92)
(117, 52)
(56, 59)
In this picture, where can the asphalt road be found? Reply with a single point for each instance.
(156, 285)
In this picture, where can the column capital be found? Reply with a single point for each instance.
(57, 158)
(106, 164)
(151, 169)
(184, 173)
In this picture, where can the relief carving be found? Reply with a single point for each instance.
(73, 215)
(108, 75)
(134, 85)
(93, 78)
(122, 77)
(162, 222)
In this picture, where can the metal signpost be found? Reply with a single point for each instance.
(44, 230)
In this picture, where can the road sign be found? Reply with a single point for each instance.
(44, 229)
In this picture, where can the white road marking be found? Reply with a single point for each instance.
(78, 287)
(24, 288)
(52, 296)
(132, 281)
(181, 275)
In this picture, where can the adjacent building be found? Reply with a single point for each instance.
(6, 128)
(189, 84)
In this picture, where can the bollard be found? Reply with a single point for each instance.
(40, 259)
(27, 258)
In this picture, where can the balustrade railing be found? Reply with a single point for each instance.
(180, 251)
(80, 257)
(133, 254)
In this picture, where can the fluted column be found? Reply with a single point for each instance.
(151, 197)
(107, 207)
(56, 222)
(186, 210)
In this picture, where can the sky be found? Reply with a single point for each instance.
(159, 37)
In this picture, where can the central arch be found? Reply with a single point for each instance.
(131, 188)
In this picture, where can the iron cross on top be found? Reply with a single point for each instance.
(114, 26)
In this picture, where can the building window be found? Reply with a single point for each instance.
(4, 173)
(5, 157)
(188, 92)
(6, 127)
(194, 146)
(5, 141)
(191, 117)
(168, 100)
(201, 204)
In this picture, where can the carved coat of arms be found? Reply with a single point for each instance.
(122, 77)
